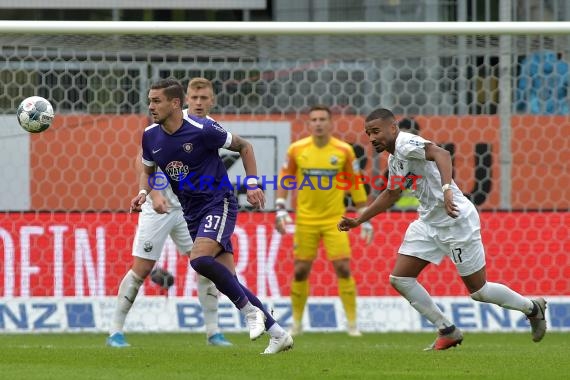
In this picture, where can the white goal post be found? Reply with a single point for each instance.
(219, 28)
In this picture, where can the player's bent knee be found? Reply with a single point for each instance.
(402, 284)
(302, 271)
(480, 295)
(203, 265)
(342, 271)
(301, 277)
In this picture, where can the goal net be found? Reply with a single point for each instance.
(498, 102)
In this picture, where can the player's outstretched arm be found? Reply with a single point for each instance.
(382, 203)
(255, 195)
(442, 159)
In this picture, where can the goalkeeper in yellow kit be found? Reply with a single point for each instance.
(312, 167)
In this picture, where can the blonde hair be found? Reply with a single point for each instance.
(199, 83)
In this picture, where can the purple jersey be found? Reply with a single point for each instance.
(197, 174)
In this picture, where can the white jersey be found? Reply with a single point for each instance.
(409, 159)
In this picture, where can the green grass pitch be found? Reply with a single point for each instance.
(315, 356)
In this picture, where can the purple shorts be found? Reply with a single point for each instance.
(215, 221)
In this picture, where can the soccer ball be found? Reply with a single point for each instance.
(35, 114)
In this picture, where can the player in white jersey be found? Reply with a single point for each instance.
(448, 225)
(162, 216)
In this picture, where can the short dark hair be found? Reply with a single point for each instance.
(380, 113)
(172, 88)
(320, 107)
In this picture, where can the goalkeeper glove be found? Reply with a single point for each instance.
(366, 229)
(366, 232)
(282, 217)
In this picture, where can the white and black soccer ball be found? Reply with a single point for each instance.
(35, 114)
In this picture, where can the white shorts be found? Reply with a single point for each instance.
(153, 229)
(460, 241)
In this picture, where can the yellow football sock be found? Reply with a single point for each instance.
(299, 295)
(347, 294)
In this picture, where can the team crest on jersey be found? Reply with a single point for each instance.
(333, 160)
(147, 246)
(415, 142)
(188, 147)
(177, 170)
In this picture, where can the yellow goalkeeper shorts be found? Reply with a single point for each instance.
(308, 237)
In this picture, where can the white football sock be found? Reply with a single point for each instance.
(420, 299)
(128, 290)
(247, 308)
(276, 331)
(503, 296)
(208, 296)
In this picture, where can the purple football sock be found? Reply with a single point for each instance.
(224, 280)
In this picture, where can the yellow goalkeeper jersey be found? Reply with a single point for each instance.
(321, 176)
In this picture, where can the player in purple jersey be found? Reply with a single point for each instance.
(162, 217)
(186, 149)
